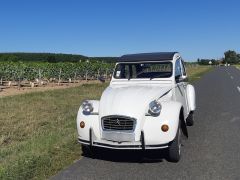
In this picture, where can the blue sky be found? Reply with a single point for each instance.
(197, 29)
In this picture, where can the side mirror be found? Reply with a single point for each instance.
(180, 78)
(102, 79)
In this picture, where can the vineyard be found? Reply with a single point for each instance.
(35, 74)
(40, 73)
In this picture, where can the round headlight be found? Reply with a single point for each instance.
(87, 107)
(155, 108)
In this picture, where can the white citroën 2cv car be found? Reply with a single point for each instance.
(148, 105)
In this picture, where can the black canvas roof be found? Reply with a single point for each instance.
(157, 56)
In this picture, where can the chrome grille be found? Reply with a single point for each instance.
(118, 123)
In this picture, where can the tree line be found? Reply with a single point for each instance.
(51, 57)
(230, 57)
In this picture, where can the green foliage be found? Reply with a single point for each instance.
(231, 57)
(44, 70)
(206, 62)
(51, 57)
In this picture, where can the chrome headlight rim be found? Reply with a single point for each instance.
(155, 108)
(87, 107)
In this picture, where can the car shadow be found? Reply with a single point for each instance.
(129, 156)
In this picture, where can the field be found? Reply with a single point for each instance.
(38, 130)
(32, 74)
(26, 76)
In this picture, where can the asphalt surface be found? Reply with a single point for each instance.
(212, 150)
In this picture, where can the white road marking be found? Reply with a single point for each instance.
(238, 88)
(234, 119)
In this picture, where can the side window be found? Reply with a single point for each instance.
(178, 71)
(134, 71)
(122, 71)
(127, 72)
(183, 68)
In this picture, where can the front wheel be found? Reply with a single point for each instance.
(174, 150)
(88, 151)
(190, 119)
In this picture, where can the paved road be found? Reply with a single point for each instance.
(211, 152)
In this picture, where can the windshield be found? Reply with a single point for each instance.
(143, 70)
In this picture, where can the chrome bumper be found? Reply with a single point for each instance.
(121, 145)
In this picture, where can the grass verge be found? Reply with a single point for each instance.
(38, 130)
(195, 73)
(237, 66)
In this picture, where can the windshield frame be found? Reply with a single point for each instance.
(143, 62)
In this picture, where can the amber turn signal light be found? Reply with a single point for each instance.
(165, 128)
(82, 124)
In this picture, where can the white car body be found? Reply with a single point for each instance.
(130, 98)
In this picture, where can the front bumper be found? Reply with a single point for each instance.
(121, 145)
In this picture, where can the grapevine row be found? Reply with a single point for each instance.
(30, 71)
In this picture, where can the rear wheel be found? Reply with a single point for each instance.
(174, 150)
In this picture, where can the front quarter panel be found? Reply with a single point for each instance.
(170, 116)
(91, 121)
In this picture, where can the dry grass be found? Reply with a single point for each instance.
(195, 73)
(14, 90)
(38, 131)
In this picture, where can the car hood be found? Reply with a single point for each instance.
(129, 101)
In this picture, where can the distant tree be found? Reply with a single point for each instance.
(231, 57)
(8, 57)
(51, 59)
(206, 61)
(12, 58)
(238, 58)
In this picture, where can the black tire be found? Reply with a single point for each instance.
(174, 150)
(190, 119)
(87, 151)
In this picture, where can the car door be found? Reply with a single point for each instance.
(180, 88)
